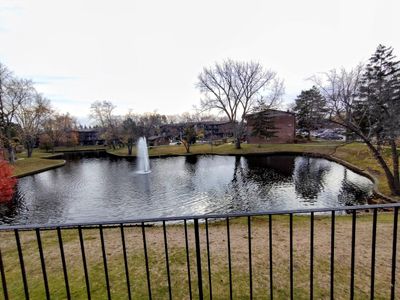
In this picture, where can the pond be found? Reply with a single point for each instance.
(96, 187)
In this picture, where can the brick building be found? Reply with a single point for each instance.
(284, 123)
(210, 129)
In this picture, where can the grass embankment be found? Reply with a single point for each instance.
(81, 148)
(356, 154)
(39, 162)
(219, 260)
(229, 149)
(43, 161)
(360, 156)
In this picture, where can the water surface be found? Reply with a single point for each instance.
(97, 188)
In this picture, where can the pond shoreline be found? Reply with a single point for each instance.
(315, 152)
(354, 168)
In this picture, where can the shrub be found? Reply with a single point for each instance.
(7, 182)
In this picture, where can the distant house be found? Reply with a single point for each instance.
(210, 129)
(89, 137)
(284, 124)
(216, 130)
(157, 140)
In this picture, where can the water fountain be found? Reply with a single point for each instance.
(142, 157)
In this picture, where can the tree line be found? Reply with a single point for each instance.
(365, 100)
(28, 120)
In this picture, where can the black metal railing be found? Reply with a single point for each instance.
(334, 253)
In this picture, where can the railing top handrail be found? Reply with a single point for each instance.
(199, 217)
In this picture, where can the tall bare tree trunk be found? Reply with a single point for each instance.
(393, 185)
(395, 159)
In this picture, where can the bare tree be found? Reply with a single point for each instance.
(149, 123)
(103, 114)
(130, 131)
(366, 101)
(58, 130)
(188, 137)
(14, 92)
(31, 117)
(235, 88)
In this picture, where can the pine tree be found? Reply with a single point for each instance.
(263, 125)
(378, 108)
(310, 109)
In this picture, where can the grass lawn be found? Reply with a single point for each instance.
(219, 260)
(40, 161)
(356, 154)
(80, 148)
(317, 147)
(359, 155)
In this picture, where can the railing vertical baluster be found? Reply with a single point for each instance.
(146, 261)
(188, 260)
(103, 251)
(59, 230)
(332, 254)
(250, 260)
(208, 260)
(198, 258)
(271, 283)
(291, 254)
(42, 263)
(167, 260)
(3, 278)
(229, 258)
(85, 269)
(312, 256)
(21, 263)
(353, 252)
(394, 253)
(373, 250)
(128, 285)
(64, 264)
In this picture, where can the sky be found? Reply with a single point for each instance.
(146, 55)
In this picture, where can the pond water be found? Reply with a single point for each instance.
(98, 188)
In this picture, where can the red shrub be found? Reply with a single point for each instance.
(7, 182)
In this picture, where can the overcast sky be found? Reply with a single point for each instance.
(146, 55)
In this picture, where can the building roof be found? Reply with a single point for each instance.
(273, 111)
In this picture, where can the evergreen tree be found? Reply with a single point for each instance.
(377, 109)
(263, 125)
(310, 108)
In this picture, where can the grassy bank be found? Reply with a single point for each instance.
(219, 260)
(81, 148)
(355, 154)
(39, 162)
(42, 160)
(226, 149)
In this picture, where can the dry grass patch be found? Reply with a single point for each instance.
(218, 258)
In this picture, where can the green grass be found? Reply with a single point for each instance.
(316, 147)
(359, 155)
(356, 154)
(219, 260)
(40, 161)
(80, 148)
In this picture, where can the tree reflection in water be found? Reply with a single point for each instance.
(309, 177)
